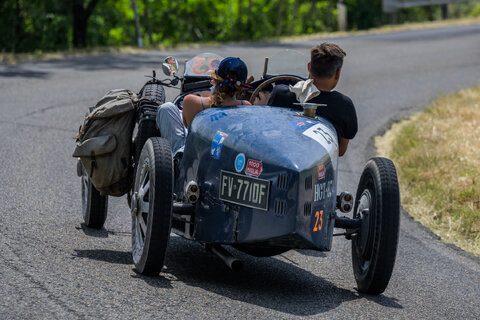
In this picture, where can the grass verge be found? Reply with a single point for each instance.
(10, 58)
(437, 155)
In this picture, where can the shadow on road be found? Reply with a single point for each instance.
(266, 282)
(101, 62)
(100, 233)
(111, 256)
(113, 61)
(19, 72)
(312, 253)
(383, 301)
(107, 61)
(157, 282)
(97, 233)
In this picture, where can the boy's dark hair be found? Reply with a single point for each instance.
(325, 59)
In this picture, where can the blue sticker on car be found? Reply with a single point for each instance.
(217, 144)
(301, 125)
(240, 162)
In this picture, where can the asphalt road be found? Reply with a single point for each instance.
(52, 267)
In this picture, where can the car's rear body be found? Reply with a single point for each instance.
(267, 176)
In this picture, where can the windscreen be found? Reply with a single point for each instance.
(202, 65)
(288, 62)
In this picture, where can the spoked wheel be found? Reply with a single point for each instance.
(152, 206)
(94, 205)
(378, 205)
(146, 128)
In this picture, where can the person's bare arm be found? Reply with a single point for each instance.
(205, 93)
(192, 105)
(343, 146)
(262, 98)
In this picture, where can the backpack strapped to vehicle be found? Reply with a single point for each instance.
(104, 142)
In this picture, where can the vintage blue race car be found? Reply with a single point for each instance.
(262, 179)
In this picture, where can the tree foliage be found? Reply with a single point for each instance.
(49, 25)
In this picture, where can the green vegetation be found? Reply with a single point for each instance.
(51, 25)
(437, 155)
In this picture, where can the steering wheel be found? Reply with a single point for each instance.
(272, 80)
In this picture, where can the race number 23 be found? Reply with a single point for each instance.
(319, 216)
(203, 66)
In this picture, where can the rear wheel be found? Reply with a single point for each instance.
(377, 203)
(152, 206)
(94, 205)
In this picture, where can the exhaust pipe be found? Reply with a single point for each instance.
(232, 262)
(345, 202)
(183, 208)
(192, 192)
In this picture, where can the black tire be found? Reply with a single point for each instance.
(151, 96)
(260, 251)
(94, 205)
(152, 203)
(153, 92)
(146, 129)
(375, 247)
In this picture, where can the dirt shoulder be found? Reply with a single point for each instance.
(437, 156)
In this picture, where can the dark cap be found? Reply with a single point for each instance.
(235, 65)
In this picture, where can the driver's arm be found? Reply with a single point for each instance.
(262, 98)
(342, 148)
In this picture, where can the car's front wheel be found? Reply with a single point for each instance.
(152, 206)
(377, 204)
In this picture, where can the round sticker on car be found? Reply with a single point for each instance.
(239, 162)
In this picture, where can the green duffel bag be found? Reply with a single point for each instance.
(104, 142)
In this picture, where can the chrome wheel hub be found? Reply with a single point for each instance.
(140, 205)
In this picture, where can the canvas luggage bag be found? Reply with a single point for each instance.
(104, 142)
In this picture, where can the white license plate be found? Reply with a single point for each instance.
(243, 190)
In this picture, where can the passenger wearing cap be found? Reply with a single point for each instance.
(228, 81)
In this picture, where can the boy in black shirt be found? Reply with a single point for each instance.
(324, 72)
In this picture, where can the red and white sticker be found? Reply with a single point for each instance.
(254, 167)
(321, 171)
